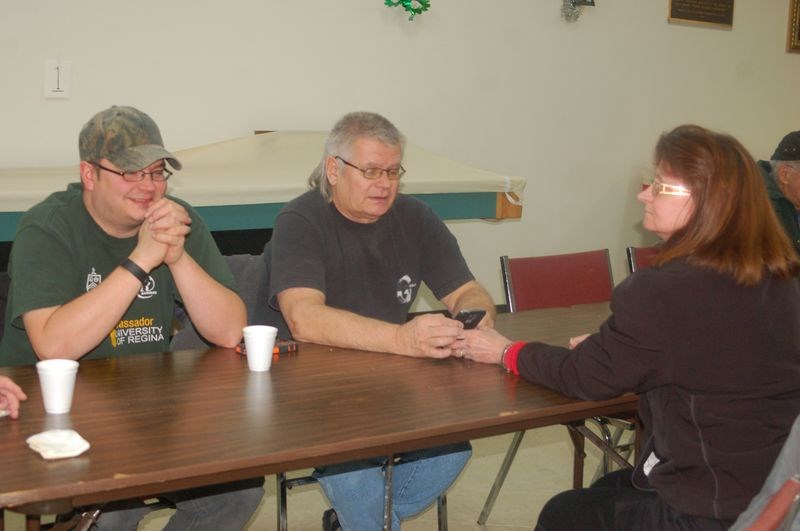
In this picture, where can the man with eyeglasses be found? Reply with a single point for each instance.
(96, 271)
(782, 178)
(348, 259)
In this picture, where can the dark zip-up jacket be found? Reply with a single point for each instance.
(717, 368)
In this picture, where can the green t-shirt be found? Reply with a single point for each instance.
(60, 253)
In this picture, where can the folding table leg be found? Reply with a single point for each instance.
(501, 477)
(387, 499)
(579, 454)
(441, 504)
(280, 494)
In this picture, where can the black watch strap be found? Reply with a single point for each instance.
(135, 270)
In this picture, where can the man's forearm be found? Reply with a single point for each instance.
(330, 326)
(73, 329)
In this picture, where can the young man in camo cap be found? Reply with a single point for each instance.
(96, 271)
(782, 177)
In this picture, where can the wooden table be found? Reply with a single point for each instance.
(171, 421)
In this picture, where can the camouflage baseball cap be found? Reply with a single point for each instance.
(789, 148)
(125, 136)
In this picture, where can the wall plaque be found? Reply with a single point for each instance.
(717, 13)
(793, 36)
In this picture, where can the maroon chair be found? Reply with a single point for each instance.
(555, 281)
(551, 282)
(640, 257)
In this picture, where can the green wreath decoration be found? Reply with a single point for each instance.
(413, 7)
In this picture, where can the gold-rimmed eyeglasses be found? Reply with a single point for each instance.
(661, 188)
(158, 175)
(375, 173)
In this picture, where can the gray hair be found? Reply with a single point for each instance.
(778, 164)
(344, 134)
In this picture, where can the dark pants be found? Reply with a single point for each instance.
(223, 507)
(613, 503)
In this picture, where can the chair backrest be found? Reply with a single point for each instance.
(560, 280)
(640, 257)
(251, 274)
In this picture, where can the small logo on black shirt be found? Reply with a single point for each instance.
(405, 289)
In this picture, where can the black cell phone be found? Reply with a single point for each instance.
(470, 318)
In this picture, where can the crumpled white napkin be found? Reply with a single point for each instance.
(57, 444)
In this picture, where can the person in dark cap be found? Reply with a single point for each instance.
(782, 177)
(96, 271)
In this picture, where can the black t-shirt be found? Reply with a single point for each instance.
(372, 269)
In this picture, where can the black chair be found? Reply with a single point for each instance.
(251, 275)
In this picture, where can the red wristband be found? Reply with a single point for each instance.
(511, 356)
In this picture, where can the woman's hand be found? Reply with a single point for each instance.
(577, 340)
(483, 345)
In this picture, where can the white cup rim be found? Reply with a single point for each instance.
(56, 364)
(259, 329)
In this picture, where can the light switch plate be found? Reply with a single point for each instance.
(58, 79)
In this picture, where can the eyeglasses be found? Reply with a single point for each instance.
(662, 188)
(375, 173)
(158, 175)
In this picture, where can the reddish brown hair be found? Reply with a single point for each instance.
(733, 228)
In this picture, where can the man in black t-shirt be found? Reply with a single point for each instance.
(349, 257)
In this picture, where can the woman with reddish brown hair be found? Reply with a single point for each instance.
(734, 229)
(709, 338)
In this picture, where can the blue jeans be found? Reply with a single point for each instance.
(225, 507)
(356, 489)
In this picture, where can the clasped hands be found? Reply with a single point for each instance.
(162, 234)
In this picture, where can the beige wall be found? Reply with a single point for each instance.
(506, 85)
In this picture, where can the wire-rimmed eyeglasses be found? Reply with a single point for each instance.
(158, 175)
(375, 173)
(661, 188)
